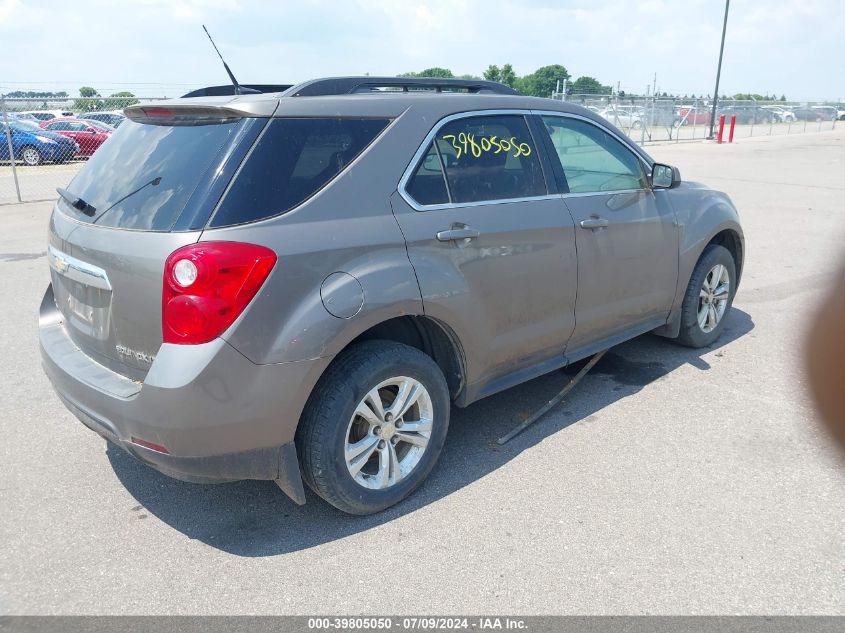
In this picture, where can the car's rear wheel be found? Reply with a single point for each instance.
(374, 426)
(31, 156)
(709, 297)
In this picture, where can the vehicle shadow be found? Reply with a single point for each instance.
(254, 518)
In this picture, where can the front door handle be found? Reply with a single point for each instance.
(594, 223)
(454, 235)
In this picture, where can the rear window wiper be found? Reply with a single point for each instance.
(76, 202)
(154, 182)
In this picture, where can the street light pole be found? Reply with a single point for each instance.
(719, 69)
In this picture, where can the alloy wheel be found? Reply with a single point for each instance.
(713, 298)
(389, 432)
(31, 156)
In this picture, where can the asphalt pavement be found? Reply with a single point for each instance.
(671, 481)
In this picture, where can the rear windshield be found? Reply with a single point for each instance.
(292, 161)
(144, 175)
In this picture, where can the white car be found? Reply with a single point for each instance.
(783, 115)
(623, 117)
(46, 115)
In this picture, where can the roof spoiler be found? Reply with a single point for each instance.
(179, 114)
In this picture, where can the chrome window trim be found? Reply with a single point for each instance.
(76, 269)
(406, 176)
(415, 160)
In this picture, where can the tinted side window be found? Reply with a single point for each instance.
(592, 159)
(490, 158)
(428, 184)
(292, 161)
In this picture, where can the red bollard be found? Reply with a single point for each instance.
(721, 128)
(731, 133)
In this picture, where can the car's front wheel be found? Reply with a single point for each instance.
(374, 426)
(709, 297)
(31, 156)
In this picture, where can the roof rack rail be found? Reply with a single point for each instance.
(229, 89)
(358, 85)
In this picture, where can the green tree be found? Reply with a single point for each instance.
(493, 73)
(505, 74)
(120, 100)
(542, 82)
(88, 100)
(588, 86)
(509, 77)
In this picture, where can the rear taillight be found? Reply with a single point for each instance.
(207, 286)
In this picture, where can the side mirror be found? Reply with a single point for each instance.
(665, 176)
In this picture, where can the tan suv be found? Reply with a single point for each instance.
(297, 285)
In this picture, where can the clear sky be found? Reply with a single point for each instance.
(157, 48)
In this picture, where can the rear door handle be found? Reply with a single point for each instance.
(593, 223)
(453, 235)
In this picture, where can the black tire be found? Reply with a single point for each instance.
(692, 334)
(322, 433)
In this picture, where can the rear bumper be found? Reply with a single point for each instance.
(219, 416)
(278, 463)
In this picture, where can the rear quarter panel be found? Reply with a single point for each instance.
(347, 227)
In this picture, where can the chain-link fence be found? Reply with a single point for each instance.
(666, 119)
(45, 141)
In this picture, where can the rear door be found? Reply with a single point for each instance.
(626, 233)
(494, 254)
(145, 185)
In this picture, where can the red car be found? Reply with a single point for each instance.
(87, 133)
(687, 115)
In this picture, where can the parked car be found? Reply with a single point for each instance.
(32, 145)
(829, 113)
(784, 115)
(691, 115)
(623, 117)
(113, 119)
(305, 286)
(89, 135)
(20, 116)
(808, 114)
(747, 114)
(46, 115)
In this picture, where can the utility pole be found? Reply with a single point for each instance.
(719, 69)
